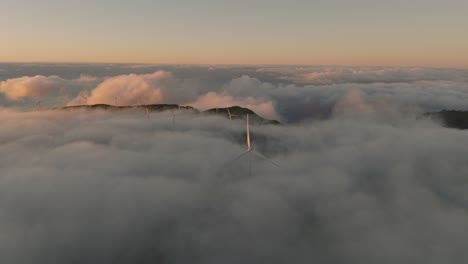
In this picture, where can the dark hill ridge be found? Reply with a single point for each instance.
(450, 118)
(150, 107)
(236, 111)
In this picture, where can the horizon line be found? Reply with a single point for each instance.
(238, 64)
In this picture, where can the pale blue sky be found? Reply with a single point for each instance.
(362, 32)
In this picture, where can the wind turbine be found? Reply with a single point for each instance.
(231, 115)
(139, 105)
(147, 112)
(180, 108)
(173, 118)
(251, 150)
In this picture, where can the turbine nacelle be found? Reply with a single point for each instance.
(250, 149)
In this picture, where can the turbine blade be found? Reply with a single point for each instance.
(265, 158)
(240, 156)
(248, 134)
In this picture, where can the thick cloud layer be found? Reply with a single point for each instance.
(368, 183)
(107, 187)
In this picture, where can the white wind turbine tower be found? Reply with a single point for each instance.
(251, 150)
(140, 106)
(173, 118)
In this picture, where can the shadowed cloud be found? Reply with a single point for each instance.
(83, 187)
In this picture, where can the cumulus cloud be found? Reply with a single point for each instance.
(52, 91)
(32, 87)
(89, 187)
(243, 91)
(129, 89)
(214, 100)
(352, 102)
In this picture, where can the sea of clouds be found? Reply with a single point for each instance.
(361, 179)
(290, 94)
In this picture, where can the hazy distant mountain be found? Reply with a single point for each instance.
(450, 118)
